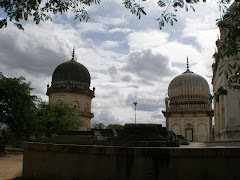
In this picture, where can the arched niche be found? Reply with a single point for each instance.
(176, 128)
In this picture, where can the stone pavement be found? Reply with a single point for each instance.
(230, 144)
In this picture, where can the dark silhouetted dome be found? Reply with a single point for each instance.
(71, 71)
(71, 77)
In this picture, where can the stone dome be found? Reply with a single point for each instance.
(189, 90)
(71, 71)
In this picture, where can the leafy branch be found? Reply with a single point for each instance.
(134, 7)
(20, 10)
(232, 74)
(167, 16)
(220, 91)
(228, 47)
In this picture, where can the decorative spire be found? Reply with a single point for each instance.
(187, 64)
(73, 53)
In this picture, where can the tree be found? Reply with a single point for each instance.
(54, 118)
(98, 126)
(19, 10)
(228, 47)
(17, 106)
(115, 126)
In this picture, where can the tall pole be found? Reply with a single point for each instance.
(135, 103)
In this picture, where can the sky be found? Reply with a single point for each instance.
(129, 59)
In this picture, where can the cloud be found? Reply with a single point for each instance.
(126, 78)
(128, 59)
(92, 27)
(121, 30)
(111, 21)
(37, 50)
(106, 117)
(146, 101)
(110, 44)
(148, 66)
(147, 39)
(113, 72)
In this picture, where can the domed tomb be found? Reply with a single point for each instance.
(71, 76)
(188, 107)
(188, 91)
(71, 84)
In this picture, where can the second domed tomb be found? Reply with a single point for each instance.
(188, 107)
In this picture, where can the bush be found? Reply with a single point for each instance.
(2, 147)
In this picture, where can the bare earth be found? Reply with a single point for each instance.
(10, 166)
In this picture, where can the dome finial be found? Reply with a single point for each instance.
(73, 53)
(187, 64)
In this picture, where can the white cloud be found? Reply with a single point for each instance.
(111, 21)
(122, 30)
(147, 39)
(110, 44)
(148, 66)
(128, 59)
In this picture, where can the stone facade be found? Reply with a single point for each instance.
(70, 83)
(194, 127)
(226, 106)
(67, 162)
(81, 102)
(188, 108)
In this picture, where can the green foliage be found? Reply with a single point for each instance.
(115, 126)
(232, 74)
(18, 10)
(53, 118)
(135, 8)
(220, 91)
(2, 147)
(20, 118)
(229, 25)
(17, 106)
(98, 126)
(228, 47)
(21, 10)
(168, 15)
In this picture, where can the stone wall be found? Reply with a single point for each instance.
(73, 162)
(226, 107)
(199, 123)
(81, 102)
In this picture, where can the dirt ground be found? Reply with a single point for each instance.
(11, 166)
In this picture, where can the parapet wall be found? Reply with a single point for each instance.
(75, 162)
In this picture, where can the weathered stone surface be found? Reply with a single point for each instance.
(133, 135)
(67, 162)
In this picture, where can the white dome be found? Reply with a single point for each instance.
(187, 91)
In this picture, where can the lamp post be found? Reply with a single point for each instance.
(135, 103)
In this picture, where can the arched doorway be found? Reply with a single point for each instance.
(189, 134)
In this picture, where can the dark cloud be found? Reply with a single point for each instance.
(146, 101)
(158, 116)
(126, 78)
(148, 66)
(113, 72)
(20, 51)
